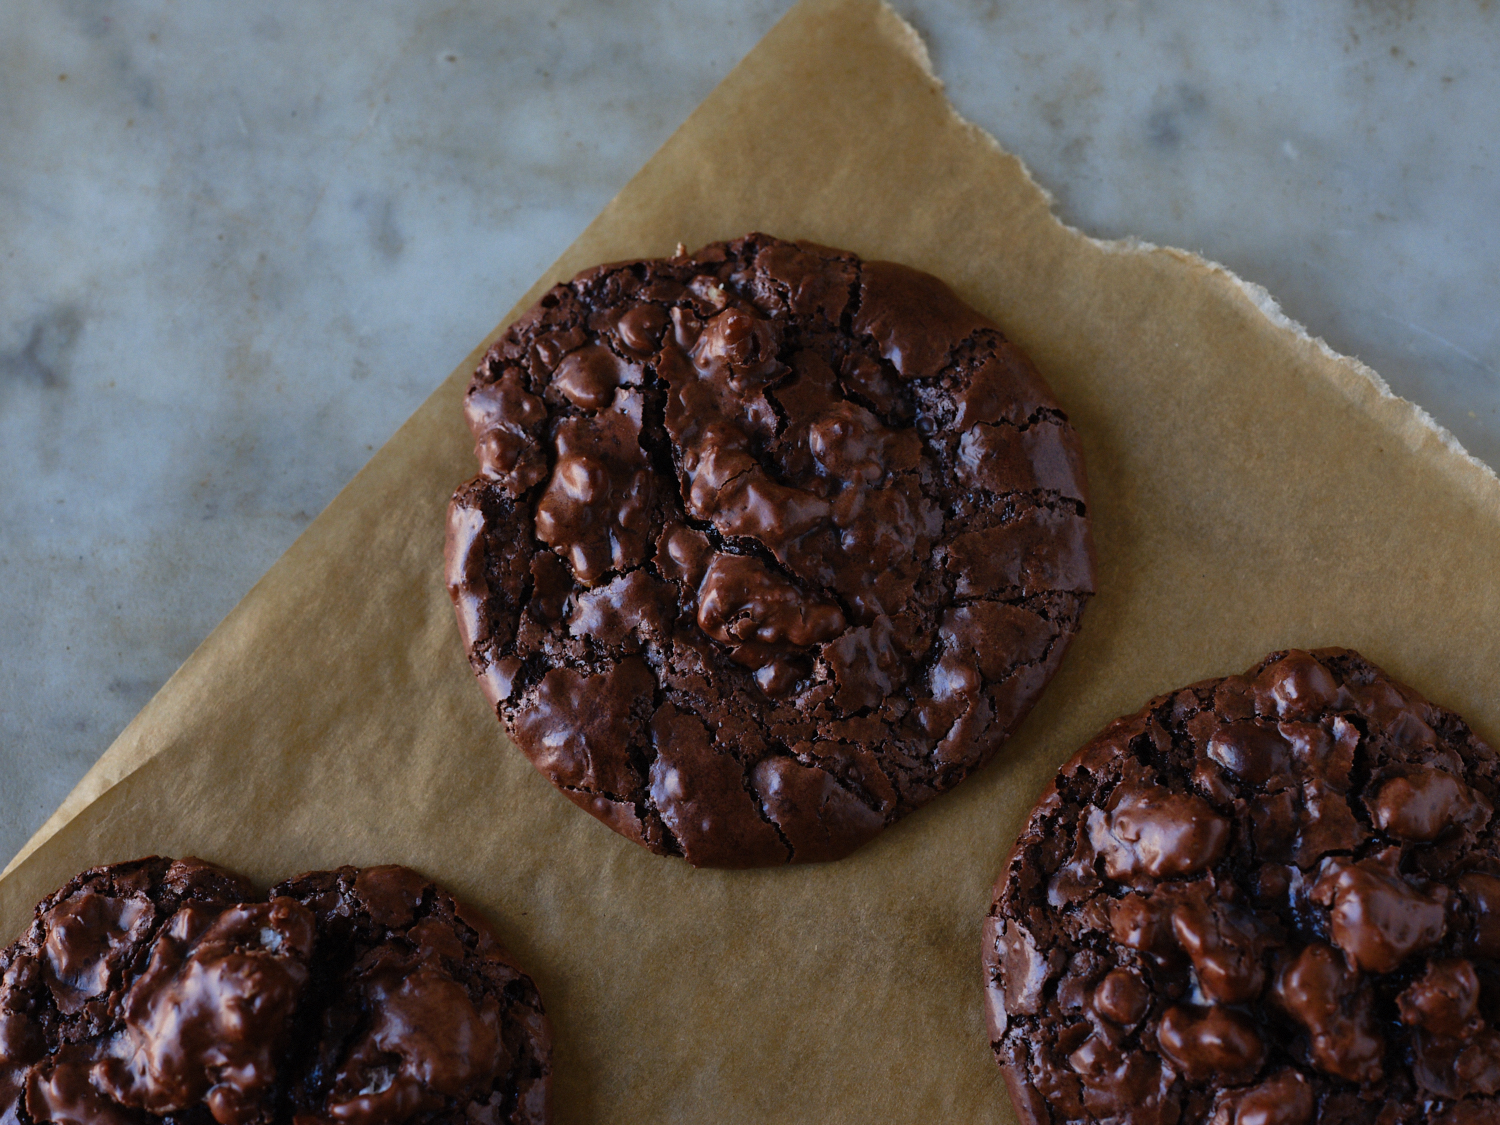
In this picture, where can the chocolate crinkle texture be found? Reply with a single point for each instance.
(1272, 899)
(770, 545)
(171, 991)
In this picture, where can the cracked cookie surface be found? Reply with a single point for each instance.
(1271, 899)
(770, 545)
(172, 991)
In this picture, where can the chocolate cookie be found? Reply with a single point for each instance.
(170, 990)
(1271, 899)
(769, 547)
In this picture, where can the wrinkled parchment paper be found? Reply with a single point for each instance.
(1251, 490)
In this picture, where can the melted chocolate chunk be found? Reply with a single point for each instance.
(1272, 899)
(172, 991)
(769, 547)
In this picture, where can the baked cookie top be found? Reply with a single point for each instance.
(1271, 899)
(770, 545)
(170, 990)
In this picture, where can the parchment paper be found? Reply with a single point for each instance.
(1251, 490)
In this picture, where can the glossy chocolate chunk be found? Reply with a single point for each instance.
(771, 545)
(172, 991)
(1272, 899)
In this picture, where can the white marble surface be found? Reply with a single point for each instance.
(242, 242)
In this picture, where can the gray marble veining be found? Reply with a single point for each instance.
(242, 242)
(1346, 156)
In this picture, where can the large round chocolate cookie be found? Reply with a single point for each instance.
(1272, 899)
(170, 991)
(770, 545)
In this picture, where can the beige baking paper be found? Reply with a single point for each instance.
(1251, 490)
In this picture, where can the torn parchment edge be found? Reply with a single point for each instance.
(1257, 295)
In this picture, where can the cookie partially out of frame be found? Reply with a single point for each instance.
(171, 991)
(1271, 899)
(769, 546)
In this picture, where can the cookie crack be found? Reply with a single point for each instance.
(758, 805)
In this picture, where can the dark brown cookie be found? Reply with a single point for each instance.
(1271, 899)
(770, 545)
(172, 991)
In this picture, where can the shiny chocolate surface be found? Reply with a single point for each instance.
(1265, 899)
(769, 546)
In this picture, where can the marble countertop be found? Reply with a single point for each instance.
(242, 242)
